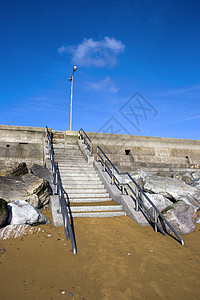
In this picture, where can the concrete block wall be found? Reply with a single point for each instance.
(21, 144)
(140, 151)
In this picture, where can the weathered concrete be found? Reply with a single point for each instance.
(148, 152)
(21, 144)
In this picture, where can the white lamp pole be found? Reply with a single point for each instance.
(71, 80)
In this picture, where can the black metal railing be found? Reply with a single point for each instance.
(60, 191)
(87, 141)
(152, 215)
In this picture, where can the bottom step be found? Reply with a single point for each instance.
(99, 214)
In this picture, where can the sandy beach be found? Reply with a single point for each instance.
(117, 259)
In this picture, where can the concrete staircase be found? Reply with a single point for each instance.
(86, 195)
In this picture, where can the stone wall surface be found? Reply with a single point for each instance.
(21, 144)
(148, 152)
(26, 144)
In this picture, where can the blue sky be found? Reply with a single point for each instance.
(138, 65)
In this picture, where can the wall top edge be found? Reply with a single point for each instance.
(112, 135)
(23, 128)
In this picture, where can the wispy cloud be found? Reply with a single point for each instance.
(91, 53)
(106, 84)
(178, 91)
(192, 118)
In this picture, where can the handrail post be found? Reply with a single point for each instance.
(104, 164)
(155, 220)
(97, 154)
(57, 189)
(112, 176)
(91, 149)
(122, 185)
(136, 198)
(59, 195)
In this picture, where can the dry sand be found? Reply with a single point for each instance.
(117, 259)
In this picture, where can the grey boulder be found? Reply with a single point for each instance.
(191, 201)
(181, 216)
(20, 212)
(42, 172)
(168, 187)
(3, 212)
(18, 170)
(158, 200)
(185, 177)
(30, 188)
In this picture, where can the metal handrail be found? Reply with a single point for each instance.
(157, 213)
(87, 141)
(102, 157)
(60, 191)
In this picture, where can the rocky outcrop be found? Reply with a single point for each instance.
(181, 216)
(171, 188)
(30, 188)
(158, 200)
(18, 170)
(20, 212)
(185, 177)
(3, 212)
(42, 172)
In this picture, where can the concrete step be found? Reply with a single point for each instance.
(67, 151)
(88, 200)
(85, 191)
(81, 182)
(66, 146)
(73, 164)
(87, 195)
(68, 156)
(87, 208)
(98, 214)
(76, 172)
(74, 167)
(79, 177)
(74, 185)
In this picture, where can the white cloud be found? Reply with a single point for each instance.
(106, 84)
(192, 118)
(91, 53)
(174, 92)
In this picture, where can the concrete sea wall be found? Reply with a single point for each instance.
(26, 144)
(130, 151)
(21, 144)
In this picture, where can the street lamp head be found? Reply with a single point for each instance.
(70, 79)
(74, 68)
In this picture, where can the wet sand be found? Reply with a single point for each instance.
(117, 259)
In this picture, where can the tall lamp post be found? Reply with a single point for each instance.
(71, 80)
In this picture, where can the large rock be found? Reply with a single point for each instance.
(168, 187)
(20, 212)
(181, 216)
(185, 177)
(196, 175)
(3, 212)
(28, 187)
(42, 172)
(37, 186)
(195, 183)
(158, 200)
(18, 170)
(191, 201)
